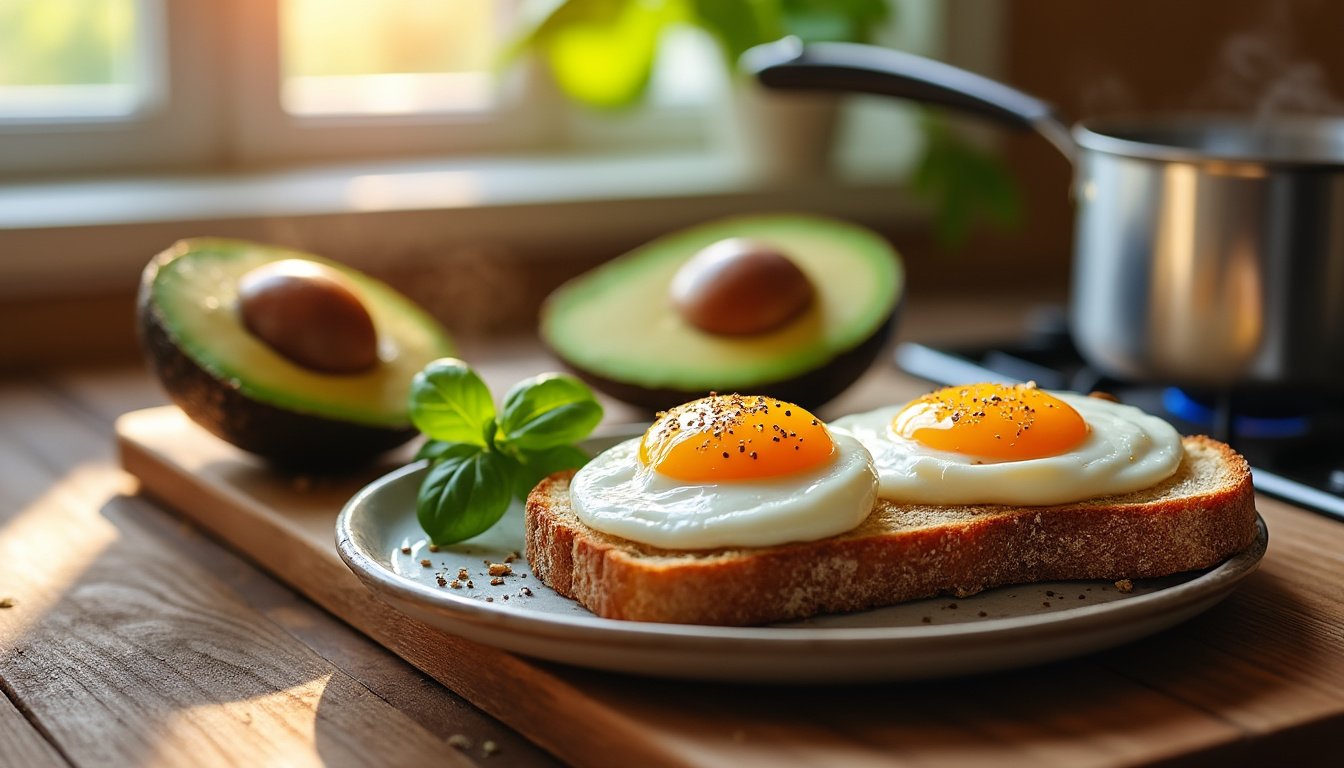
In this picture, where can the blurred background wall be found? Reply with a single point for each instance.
(487, 272)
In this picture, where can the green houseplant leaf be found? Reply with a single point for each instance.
(739, 24)
(845, 20)
(964, 183)
(600, 52)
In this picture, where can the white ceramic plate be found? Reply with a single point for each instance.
(379, 538)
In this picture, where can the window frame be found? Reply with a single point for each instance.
(264, 133)
(85, 233)
(217, 105)
(177, 124)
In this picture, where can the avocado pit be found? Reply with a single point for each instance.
(619, 327)
(308, 314)
(241, 389)
(740, 287)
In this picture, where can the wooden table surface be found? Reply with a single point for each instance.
(129, 637)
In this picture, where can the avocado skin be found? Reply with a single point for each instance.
(287, 439)
(657, 358)
(810, 390)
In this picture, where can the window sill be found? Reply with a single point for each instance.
(84, 236)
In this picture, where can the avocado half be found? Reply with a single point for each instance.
(239, 388)
(616, 326)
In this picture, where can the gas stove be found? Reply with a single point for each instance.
(1292, 442)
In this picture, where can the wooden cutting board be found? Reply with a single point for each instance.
(1209, 689)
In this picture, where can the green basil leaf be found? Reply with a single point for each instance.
(465, 493)
(536, 465)
(433, 449)
(549, 410)
(450, 403)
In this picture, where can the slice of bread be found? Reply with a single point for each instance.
(1194, 519)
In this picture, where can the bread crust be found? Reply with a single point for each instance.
(1201, 515)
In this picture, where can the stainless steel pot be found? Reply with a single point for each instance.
(1209, 251)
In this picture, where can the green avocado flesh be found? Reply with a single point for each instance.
(618, 322)
(195, 296)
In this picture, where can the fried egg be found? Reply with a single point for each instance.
(726, 471)
(1013, 444)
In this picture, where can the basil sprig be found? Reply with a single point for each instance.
(480, 459)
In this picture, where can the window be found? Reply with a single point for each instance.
(90, 85)
(127, 123)
(378, 78)
(416, 56)
(71, 60)
(94, 85)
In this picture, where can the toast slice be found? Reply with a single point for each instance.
(1196, 518)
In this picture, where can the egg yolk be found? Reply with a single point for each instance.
(994, 421)
(735, 437)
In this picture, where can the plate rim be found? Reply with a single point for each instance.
(652, 635)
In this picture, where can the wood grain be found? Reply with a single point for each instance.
(1117, 708)
(298, 546)
(124, 651)
(1259, 677)
(102, 396)
(20, 744)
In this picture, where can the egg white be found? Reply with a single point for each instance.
(617, 494)
(1125, 450)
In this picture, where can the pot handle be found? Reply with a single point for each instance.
(858, 68)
